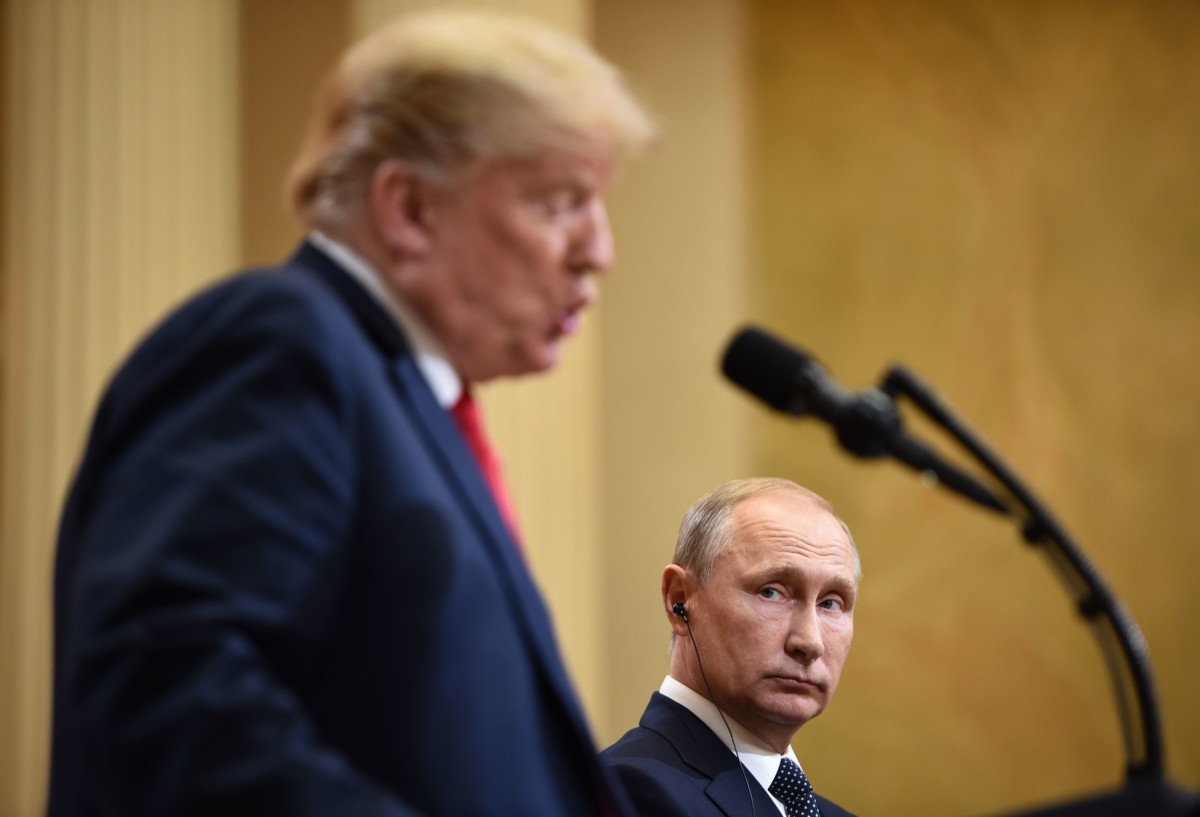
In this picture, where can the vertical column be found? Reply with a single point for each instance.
(548, 431)
(672, 429)
(120, 121)
(287, 47)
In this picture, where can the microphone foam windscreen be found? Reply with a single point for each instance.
(764, 366)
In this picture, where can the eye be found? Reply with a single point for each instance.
(830, 604)
(770, 593)
(561, 201)
(567, 202)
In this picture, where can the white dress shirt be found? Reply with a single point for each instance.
(760, 760)
(428, 352)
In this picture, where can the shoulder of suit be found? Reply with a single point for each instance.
(266, 299)
(634, 743)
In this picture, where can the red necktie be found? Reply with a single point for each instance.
(466, 413)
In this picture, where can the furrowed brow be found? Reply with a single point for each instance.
(792, 573)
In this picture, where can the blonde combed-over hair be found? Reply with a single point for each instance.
(446, 90)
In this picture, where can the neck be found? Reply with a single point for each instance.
(765, 734)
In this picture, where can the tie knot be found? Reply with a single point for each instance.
(466, 411)
(794, 791)
(467, 415)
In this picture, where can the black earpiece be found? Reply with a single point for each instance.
(680, 610)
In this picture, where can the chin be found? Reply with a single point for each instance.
(798, 713)
(541, 360)
(522, 369)
(545, 359)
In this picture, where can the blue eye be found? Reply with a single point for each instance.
(769, 593)
(831, 604)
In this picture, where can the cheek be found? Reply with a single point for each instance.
(760, 646)
(744, 646)
(526, 237)
(838, 639)
(550, 242)
(522, 272)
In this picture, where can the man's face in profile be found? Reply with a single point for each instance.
(775, 619)
(514, 249)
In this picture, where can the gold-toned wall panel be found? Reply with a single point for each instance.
(287, 47)
(671, 429)
(120, 195)
(1002, 196)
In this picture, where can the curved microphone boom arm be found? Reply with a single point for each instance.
(868, 425)
(1121, 641)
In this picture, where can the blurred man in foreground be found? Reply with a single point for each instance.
(288, 576)
(760, 598)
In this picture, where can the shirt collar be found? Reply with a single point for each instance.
(428, 351)
(760, 760)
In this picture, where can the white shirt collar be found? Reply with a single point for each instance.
(428, 352)
(760, 760)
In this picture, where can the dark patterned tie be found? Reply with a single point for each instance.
(792, 787)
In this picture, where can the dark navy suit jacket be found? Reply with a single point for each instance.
(283, 587)
(673, 765)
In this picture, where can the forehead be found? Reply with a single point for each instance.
(781, 527)
(590, 169)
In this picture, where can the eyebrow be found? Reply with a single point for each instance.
(782, 572)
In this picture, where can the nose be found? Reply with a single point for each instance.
(593, 251)
(805, 638)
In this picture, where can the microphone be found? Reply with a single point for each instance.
(784, 378)
(866, 423)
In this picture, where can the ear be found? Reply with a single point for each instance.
(401, 203)
(676, 589)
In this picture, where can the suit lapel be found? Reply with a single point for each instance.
(380, 327)
(442, 438)
(707, 754)
(438, 428)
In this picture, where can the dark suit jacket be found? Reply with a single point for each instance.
(673, 765)
(283, 587)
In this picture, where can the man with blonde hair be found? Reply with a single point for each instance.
(289, 579)
(760, 598)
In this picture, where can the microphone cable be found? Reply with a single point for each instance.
(711, 697)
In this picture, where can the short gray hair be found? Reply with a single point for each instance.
(705, 531)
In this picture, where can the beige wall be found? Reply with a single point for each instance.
(120, 194)
(1000, 195)
(1005, 197)
(671, 429)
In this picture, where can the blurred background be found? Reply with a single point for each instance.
(1005, 197)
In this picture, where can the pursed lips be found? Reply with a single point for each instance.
(798, 682)
(572, 315)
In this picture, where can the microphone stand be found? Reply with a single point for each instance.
(868, 425)
(1121, 641)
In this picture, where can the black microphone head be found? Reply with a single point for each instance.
(679, 610)
(767, 368)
